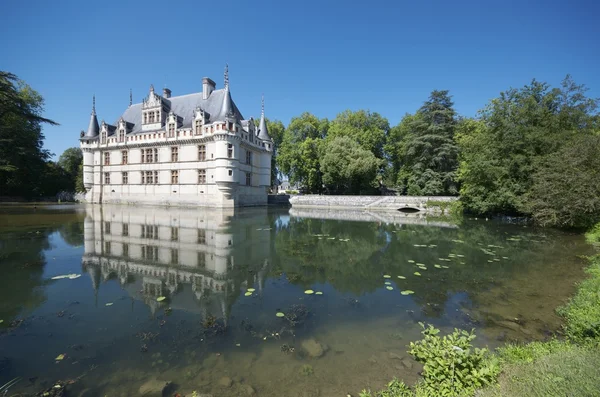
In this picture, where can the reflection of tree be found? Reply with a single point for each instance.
(72, 232)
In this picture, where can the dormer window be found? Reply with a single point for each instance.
(171, 130)
(121, 134)
(198, 127)
(103, 137)
(151, 118)
(145, 118)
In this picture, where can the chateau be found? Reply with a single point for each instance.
(188, 150)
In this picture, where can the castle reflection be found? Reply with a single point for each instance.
(198, 259)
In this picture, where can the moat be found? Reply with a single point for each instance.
(264, 301)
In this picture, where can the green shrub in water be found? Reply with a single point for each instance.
(451, 366)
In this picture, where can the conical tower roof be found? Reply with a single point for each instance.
(263, 131)
(93, 129)
(227, 111)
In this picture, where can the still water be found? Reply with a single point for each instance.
(192, 296)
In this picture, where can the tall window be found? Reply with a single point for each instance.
(106, 158)
(107, 247)
(201, 259)
(147, 177)
(143, 178)
(174, 177)
(198, 127)
(107, 178)
(174, 154)
(106, 227)
(124, 157)
(121, 135)
(125, 178)
(156, 177)
(149, 157)
(171, 130)
(248, 179)
(125, 250)
(145, 118)
(201, 236)
(125, 231)
(174, 234)
(151, 117)
(103, 137)
(201, 177)
(202, 153)
(229, 150)
(174, 256)
(248, 157)
(157, 116)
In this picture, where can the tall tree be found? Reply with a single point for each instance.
(427, 151)
(70, 161)
(367, 129)
(276, 130)
(22, 156)
(300, 151)
(349, 168)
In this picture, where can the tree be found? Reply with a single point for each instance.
(70, 161)
(367, 129)
(276, 130)
(299, 154)
(348, 168)
(502, 152)
(426, 153)
(22, 157)
(566, 187)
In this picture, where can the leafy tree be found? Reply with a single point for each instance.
(348, 168)
(299, 154)
(501, 153)
(368, 129)
(22, 157)
(276, 130)
(70, 161)
(566, 186)
(425, 151)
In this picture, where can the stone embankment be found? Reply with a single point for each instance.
(424, 204)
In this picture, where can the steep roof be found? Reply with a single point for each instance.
(93, 129)
(184, 106)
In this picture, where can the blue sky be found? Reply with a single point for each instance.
(317, 56)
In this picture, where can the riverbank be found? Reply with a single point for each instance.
(565, 365)
(431, 205)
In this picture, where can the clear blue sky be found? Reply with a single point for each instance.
(317, 56)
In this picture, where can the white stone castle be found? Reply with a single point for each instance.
(191, 150)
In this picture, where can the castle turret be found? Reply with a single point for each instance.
(263, 131)
(93, 129)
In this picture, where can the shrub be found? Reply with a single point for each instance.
(451, 366)
(396, 388)
(593, 235)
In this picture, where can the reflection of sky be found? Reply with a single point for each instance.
(283, 220)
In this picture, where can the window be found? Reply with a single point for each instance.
(174, 177)
(107, 178)
(248, 179)
(201, 236)
(201, 177)
(151, 117)
(171, 130)
(174, 154)
(103, 137)
(150, 231)
(248, 157)
(145, 118)
(156, 177)
(157, 116)
(174, 234)
(124, 157)
(230, 126)
(201, 260)
(126, 250)
(107, 247)
(106, 158)
(125, 231)
(150, 252)
(121, 135)
(106, 227)
(229, 150)
(174, 256)
(147, 177)
(198, 125)
(125, 178)
(230, 172)
(202, 153)
(149, 157)
(156, 155)
(143, 178)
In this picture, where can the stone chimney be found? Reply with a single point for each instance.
(166, 93)
(208, 86)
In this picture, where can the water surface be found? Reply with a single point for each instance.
(224, 275)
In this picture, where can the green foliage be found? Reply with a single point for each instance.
(22, 157)
(422, 150)
(503, 153)
(396, 388)
(530, 352)
(71, 161)
(451, 366)
(566, 187)
(582, 312)
(593, 235)
(368, 129)
(347, 168)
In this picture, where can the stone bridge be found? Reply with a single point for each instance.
(423, 204)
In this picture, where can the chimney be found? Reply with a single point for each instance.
(166, 93)
(208, 86)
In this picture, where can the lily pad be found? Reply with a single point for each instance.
(1, 321)
(411, 261)
(251, 290)
(402, 277)
(60, 357)
(437, 266)
(407, 292)
(161, 298)
(389, 288)
(279, 314)
(109, 304)
(309, 292)
(446, 267)
(318, 293)
(387, 283)
(71, 276)
(387, 276)
(417, 273)
(248, 294)
(420, 264)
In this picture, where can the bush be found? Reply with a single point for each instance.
(451, 366)
(396, 388)
(593, 235)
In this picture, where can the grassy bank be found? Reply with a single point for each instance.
(560, 367)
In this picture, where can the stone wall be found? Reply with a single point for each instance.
(426, 204)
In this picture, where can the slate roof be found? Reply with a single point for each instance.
(184, 106)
